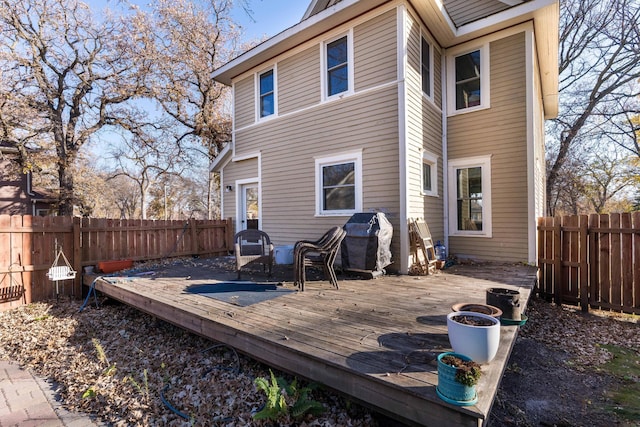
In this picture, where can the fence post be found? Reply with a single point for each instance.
(193, 225)
(557, 260)
(77, 259)
(583, 241)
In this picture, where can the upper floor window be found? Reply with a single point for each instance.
(267, 94)
(469, 89)
(339, 184)
(338, 73)
(426, 67)
(468, 80)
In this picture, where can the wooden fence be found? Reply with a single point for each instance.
(591, 261)
(29, 244)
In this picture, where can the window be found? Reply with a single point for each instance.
(339, 184)
(469, 85)
(468, 80)
(429, 174)
(470, 196)
(426, 68)
(338, 74)
(267, 94)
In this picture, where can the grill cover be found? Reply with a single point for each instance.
(366, 247)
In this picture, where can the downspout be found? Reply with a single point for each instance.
(445, 157)
(402, 141)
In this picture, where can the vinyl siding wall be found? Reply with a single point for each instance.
(500, 131)
(307, 129)
(234, 171)
(299, 81)
(244, 102)
(424, 130)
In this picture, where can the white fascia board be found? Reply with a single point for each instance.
(501, 19)
(293, 36)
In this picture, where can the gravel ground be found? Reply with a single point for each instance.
(131, 369)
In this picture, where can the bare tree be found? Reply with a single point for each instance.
(606, 177)
(186, 42)
(599, 72)
(68, 75)
(147, 160)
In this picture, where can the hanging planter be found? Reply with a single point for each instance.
(475, 335)
(457, 379)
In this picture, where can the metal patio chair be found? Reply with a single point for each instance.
(253, 247)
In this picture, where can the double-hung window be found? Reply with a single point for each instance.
(469, 81)
(470, 196)
(266, 88)
(426, 68)
(339, 184)
(338, 71)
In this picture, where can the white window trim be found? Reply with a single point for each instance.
(356, 158)
(350, 66)
(432, 160)
(470, 162)
(431, 65)
(275, 93)
(485, 85)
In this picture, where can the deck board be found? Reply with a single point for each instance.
(375, 340)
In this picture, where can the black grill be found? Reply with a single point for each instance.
(367, 246)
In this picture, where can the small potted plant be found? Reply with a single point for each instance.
(475, 335)
(457, 379)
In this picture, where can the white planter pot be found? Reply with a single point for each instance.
(480, 343)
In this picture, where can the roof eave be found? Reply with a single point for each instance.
(221, 159)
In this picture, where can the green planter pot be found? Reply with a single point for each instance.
(450, 390)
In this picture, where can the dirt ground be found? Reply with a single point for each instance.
(554, 378)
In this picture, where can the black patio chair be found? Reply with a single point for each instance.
(321, 252)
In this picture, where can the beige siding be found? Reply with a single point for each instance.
(244, 102)
(375, 51)
(234, 171)
(424, 133)
(505, 140)
(295, 141)
(299, 71)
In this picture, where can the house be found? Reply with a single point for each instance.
(429, 109)
(17, 196)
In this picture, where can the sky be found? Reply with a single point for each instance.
(271, 16)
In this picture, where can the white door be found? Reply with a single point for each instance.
(250, 207)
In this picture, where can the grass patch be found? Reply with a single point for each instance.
(624, 365)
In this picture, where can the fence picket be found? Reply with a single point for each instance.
(28, 245)
(599, 261)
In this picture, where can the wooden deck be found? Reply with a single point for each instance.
(375, 340)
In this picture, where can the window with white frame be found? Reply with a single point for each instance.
(266, 94)
(338, 72)
(470, 196)
(426, 68)
(339, 184)
(469, 84)
(429, 174)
